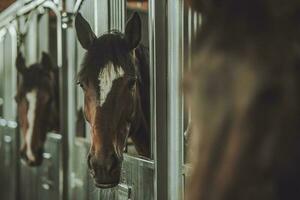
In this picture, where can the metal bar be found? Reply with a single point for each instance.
(113, 18)
(175, 108)
(78, 5)
(124, 15)
(8, 14)
(158, 73)
(10, 73)
(61, 63)
(29, 7)
(146, 163)
(19, 9)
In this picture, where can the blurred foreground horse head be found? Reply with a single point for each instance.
(245, 94)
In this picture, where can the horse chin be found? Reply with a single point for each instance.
(105, 185)
(108, 183)
(36, 163)
(31, 163)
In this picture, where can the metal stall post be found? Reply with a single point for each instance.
(58, 145)
(27, 25)
(175, 99)
(158, 76)
(76, 187)
(9, 137)
(2, 34)
(10, 45)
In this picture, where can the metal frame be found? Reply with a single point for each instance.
(2, 34)
(8, 139)
(10, 74)
(19, 9)
(158, 76)
(175, 99)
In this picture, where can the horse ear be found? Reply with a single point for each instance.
(46, 61)
(85, 34)
(133, 31)
(20, 63)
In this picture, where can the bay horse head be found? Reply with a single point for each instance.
(37, 106)
(115, 82)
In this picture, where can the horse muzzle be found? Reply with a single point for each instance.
(105, 171)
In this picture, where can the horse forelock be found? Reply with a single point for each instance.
(108, 50)
(106, 78)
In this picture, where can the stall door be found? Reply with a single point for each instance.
(8, 157)
(49, 173)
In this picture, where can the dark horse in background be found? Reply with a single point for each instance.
(115, 81)
(38, 106)
(245, 95)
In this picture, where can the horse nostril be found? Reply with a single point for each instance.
(23, 156)
(112, 163)
(89, 161)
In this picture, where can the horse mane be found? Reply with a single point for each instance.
(245, 94)
(142, 54)
(55, 122)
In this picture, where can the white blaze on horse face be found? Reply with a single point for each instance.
(31, 98)
(106, 78)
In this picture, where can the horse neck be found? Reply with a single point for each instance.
(141, 133)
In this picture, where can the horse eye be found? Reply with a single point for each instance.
(80, 84)
(17, 98)
(131, 83)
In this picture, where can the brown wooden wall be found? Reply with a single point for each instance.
(5, 3)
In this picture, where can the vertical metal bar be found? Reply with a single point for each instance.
(31, 43)
(2, 86)
(124, 17)
(71, 63)
(10, 74)
(109, 14)
(113, 18)
(158, 74)
(96, 18)
(175, 120)
(43, 34)
(102, 16)
(117, 15)
(64, 100)
(120, 15)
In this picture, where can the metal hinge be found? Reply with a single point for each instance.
(67, 20)
(124, 192)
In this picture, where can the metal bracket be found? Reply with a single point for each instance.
(76, 182)
(47, 183)
(124, 192)
(7, 150)
(67, 20)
